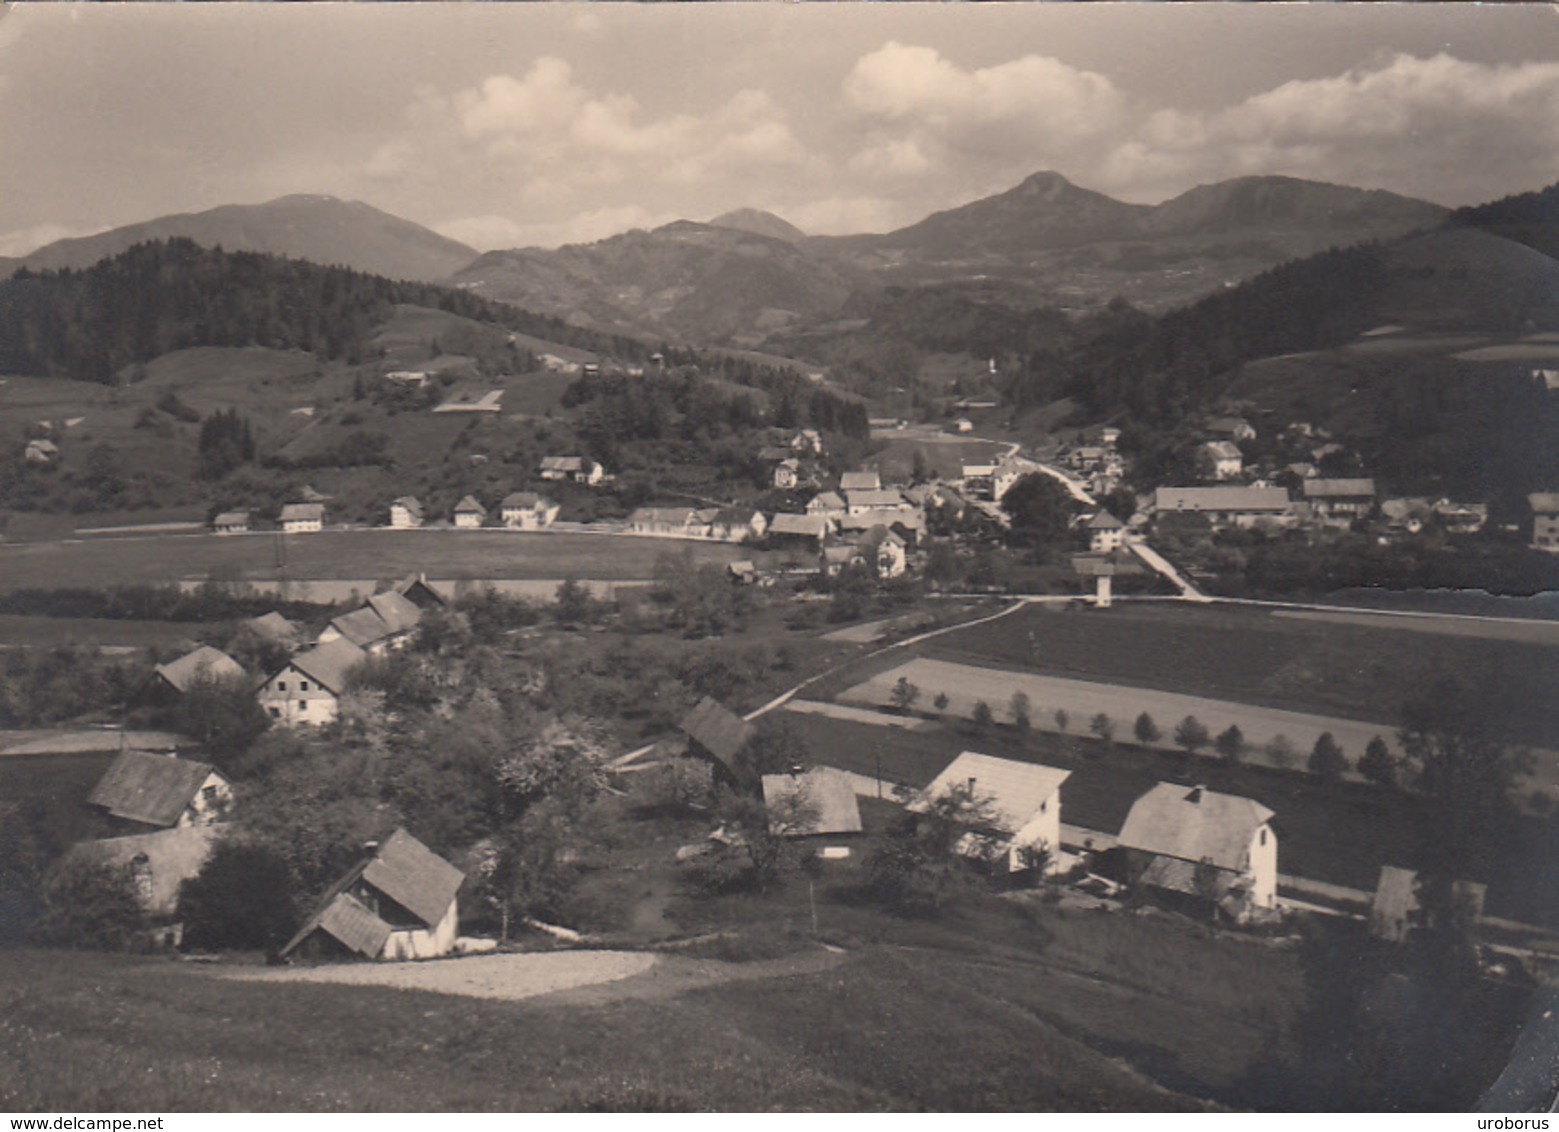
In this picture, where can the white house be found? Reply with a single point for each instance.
(1340, 500)
(406, 513)
(231, 523)
(397, 903)
(867, 480)
(385, 622)
(41, 451)
(1228, 506)
(1023, 801)
(1545, 520)
(1231, 428)
(828, 504)
(1105, 533)
(1219, 847)
(1220, 460)
(469, 513)
(527, 511)
(862, 501)
(575, 468)
(787, 473)
(676, 522)
(308, 691)
(162, 791)
(886, 548)
(300, 518)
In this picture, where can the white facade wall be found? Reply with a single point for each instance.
(424, 943)
(294, 698)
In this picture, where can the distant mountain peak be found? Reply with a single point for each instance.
(760, 223)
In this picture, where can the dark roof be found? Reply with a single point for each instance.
(718, 730)
(302, 511)
(172, 856)
(405, 870)
(149, 788)
(1230, 498)
(231, 519)
(1104, 521)
(1363, 488)
(469, 506)
(208, 662)
(521, 501)
(812, 526)
(386, 615)
(414, 876)
(330, 663)
(859, 481)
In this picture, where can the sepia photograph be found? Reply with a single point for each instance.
(584, 557)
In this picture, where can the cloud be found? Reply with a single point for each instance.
(1442, 127)
(925, 113)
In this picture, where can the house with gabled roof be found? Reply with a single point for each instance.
(275, 628)
(158, 864)
(1220, 460)
(1340, 500)
(231, 523)
(301, 518)
(406, 513)
(1021, 801)
(786, 527)
(398, 903)
(1227, 505)
(1231, 428)
(787, 473)
(819, 801)
(738, 524)
(163, 791)
(469, 513)
(203, 664)
(308, 691)
(1219, 848)
(527, 511)
(1545, 520)
(718, 734)
(864, 480)
(575, 468)
(860, 501)
(385, 622)
(884, 548)
(828, 504)
(422, 593)
(675, 522)
(1105, 533)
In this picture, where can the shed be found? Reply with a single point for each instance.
(718, 732)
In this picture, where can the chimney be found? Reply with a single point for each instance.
(1195, 797)
(971, 784)
(370, 847)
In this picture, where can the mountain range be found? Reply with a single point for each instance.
(748, 277)
(303, 226)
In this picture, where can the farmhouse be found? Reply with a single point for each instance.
(1229, 506)
(675, 522)
(161, 790)
(978, 481)
(231, 523)
(41, 451)
(527, 511)
(158, 863)
(807, 441)
(834, 559)
(867, 480)
(785, 527)
(717, 734)
(406, 513)
(1219, 460)
(397, 903)
(737, 524)
(299, 518)
(828, 504)
(1340, 499)
(469, 513)
(884, 548)
(416, 589)
(1021, 804)
(811, 803)
(1545, 520)
(1395, 911)
(575, 468)
(1231, 428)
(308, 690)
(386, 622)
(787, 473)
(203, 665)
(1105, 533)
(908, 521)
(1214, 847)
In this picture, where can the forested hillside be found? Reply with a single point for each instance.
(165, 296)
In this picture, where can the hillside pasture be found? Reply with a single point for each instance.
(943, 452)
(346, 554)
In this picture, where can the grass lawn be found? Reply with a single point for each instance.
(354, 554)
(1251, 656)
(18, 629)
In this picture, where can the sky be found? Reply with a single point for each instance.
(539, 124)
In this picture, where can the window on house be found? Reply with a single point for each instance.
(1263, 837)
(303, 685)
(275, 713)
(281, 685)
(303, 705)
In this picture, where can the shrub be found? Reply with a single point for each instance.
(1230, 744)
(1326, 758)
(1377, 765)
(88, 904)
(1146, 730)
(241, 898)
(1191, 734)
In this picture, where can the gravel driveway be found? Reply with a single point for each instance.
(508, 977)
